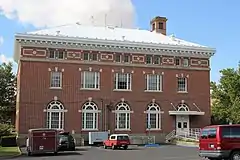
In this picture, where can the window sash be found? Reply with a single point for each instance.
(56, 80)
(123, 81)
(89, 120)
(90, 80)
(55, 119)
(122, 121)
(182, 84)
(154, 82)
(149, 59)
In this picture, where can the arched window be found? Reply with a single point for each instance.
(182, 107)
(153, 116)
(55, 115)
(122, 114)
(90, 116)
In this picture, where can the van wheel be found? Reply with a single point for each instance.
(235, 155)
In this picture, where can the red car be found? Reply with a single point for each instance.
(117, 141)
(220, 142)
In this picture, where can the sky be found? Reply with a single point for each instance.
(212, 23)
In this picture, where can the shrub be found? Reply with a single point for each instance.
(5, 129)
(9, 141)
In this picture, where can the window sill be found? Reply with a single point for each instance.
(89, 129)
(184, 92)
(90, 89)
(152, 91)
(122, 90)
(122, 129)
(55, 88)
(157, 129)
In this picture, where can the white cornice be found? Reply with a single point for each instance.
(107, 45)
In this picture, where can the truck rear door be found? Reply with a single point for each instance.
(44, 141)
(208, 139)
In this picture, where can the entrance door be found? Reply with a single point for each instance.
(182, 125)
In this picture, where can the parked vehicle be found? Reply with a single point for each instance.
(117, 141)
(42, 140)
(97, 137)
(66, 142)
(220, 142)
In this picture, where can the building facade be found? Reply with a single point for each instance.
(90, 78)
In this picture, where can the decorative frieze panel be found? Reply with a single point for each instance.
(73, 54)
(138, 59)
(168, 60)
(34, 52)
(107, 56)
(199, 62)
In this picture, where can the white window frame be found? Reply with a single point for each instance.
(129, 82)
(157, 112)
(56, 54)
(60, 112)
(185, 62)
(94, 110)
(159, 84)
(96, 80)
(127, 113)
(185, 85)
(151, 59)
(52, 85)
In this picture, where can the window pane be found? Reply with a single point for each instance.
(126, 58)
(122, 120)
(154, 82)
(56, 79)
(149, 59)
(89, 121)
(182, 84)
(118, 58)
(55, 120)
(122, 81)
(85, 56)
(51, 54)
(90, 79)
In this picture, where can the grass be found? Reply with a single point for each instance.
(9, 151)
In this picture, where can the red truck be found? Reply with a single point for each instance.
(117, 141)
(42, 140)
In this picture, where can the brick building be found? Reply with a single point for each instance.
(101, 78)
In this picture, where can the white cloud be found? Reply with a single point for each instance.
(41, 13)
(4, 59)
(1, 40)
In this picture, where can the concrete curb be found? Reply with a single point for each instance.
(187, 144)
(13, 156)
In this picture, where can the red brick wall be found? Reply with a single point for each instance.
(35, 95)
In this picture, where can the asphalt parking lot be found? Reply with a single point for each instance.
(166, 152)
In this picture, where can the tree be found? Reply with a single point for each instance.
(7, 92)
(226, 96)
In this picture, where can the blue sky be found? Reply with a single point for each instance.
(212, 23)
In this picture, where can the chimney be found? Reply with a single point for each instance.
(159, 25)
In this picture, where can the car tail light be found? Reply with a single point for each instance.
(218, 145)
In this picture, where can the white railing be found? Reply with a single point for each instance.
(170, 135)
(192, 134)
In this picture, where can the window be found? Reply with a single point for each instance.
(208, 133)
(149, 59)
(86, 56)
(182, 107)
(153, 26)
(156, 59)
(182, 84)
(123, 81)
(177, 61)
(94, 56)
(118, 58)
(230, 132)
(153, 117)
(154, 82)
(126, 58)
(56, 80)
(90, 116)
(122, 114)
(55, 115)
(160, 25)
(55, 54)
(185, 62)
(90, 80)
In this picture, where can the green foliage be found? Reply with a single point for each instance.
(5, 130)
(7, 92)
(226, 97)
